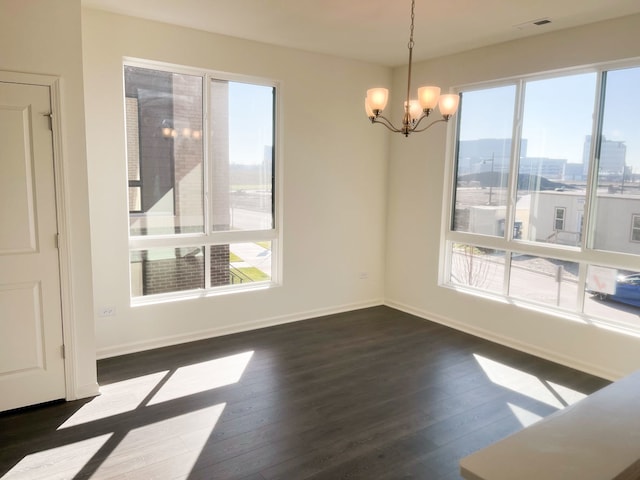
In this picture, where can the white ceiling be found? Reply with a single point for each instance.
(373, 30)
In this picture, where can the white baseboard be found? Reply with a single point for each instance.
(598, 370)
(227, 330)
(553, 356)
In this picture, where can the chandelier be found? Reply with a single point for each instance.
(414, 110)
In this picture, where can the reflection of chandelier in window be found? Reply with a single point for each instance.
(169, 132)
(414, 110)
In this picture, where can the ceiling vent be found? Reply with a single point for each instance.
(533, 23)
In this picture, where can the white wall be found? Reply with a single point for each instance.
(541, 216)
(416, 199)
(44, 37)
(613, 228)
(334, 165)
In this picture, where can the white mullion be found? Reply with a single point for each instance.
(514, 170)
(207, 180)
(448, 208)
(184, 240)
(582, 284)
(277, 186)
(507, 272)
(592, 173)
(588, 223)
(207, 266)
(446, 254)
(588, 216)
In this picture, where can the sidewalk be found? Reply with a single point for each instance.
(252, 255)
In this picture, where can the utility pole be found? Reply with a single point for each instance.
(491, 176)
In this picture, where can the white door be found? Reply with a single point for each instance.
(31, 358)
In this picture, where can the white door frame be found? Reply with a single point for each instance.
(62, 211)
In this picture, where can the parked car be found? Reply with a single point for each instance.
(627, 290)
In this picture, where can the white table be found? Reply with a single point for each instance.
(597, 438)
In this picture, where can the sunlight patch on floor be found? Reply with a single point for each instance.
(200, 377)
(524, 416)
(60, 463)
(116, 398)
(526, 384)
(569, 395)
(153, 450)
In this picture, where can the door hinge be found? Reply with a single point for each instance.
(62, 352)
(49, 119)
(57, 241)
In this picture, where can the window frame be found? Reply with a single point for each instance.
(584, 254)
(557, 219)
(209, 237)
(635, 229)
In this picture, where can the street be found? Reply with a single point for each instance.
(534, 279)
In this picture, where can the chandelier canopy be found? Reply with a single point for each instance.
(414, 110)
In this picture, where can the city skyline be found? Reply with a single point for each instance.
(494, 154)
(558, 114)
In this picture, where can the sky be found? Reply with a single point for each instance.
(558, 114)
(250, 122)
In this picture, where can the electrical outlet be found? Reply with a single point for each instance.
(107, 311)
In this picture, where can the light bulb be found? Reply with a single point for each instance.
(377, 98)
(428, 97)
(368, 109)
(448, 104)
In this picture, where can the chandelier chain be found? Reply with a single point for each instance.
(408, 100)
(413, 16)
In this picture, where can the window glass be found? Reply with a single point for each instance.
(559, 219)
(618, 164)
(242, 156)
(164, 152)
(552, 173)
(544, 280)
(163, 270)
(477, 267)
(483, 159)
(635, 228)
(240, 263)
(612, 294)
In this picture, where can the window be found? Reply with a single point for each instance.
(535, 202)
(551, 145)
(558, 218)
(617, 162)
(483, 161)
(201, 177)
(635, 228)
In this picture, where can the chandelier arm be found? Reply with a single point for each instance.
(385, 121)
(445, 120)
(422, 117)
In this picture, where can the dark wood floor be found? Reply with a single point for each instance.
(371, 394)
